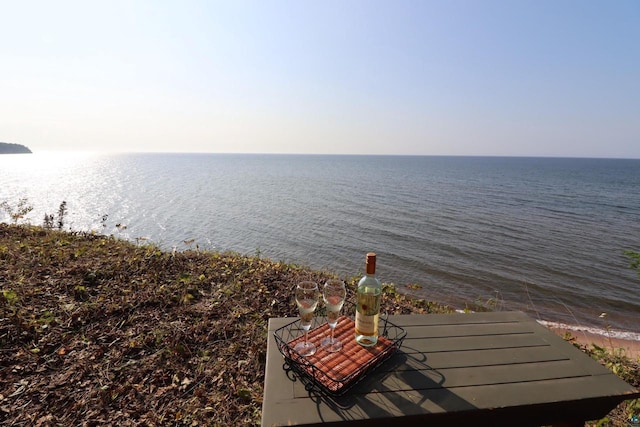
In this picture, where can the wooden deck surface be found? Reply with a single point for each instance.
(499, 369)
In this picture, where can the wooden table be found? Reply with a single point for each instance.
(497, 369)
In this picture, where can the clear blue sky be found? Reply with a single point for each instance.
(477, 77)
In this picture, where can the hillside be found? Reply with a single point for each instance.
(6, 148)
(96, 330)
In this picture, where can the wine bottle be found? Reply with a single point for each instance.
(368, 305)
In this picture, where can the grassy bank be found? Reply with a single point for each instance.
(96, 330)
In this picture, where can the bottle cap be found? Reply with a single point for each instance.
(371, 263)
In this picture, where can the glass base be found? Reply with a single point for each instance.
(305, 348)
(332, 345)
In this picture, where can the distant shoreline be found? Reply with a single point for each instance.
(8, 148)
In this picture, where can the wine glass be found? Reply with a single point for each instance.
(307, 296)
(334, 293)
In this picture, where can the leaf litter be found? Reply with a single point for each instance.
(95, 330)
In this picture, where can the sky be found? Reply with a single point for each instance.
(421, 77)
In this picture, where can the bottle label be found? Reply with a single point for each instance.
(366, 325)
(368, 303)
(367, 313)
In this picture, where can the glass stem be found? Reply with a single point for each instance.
(305, 336)
(332, 329)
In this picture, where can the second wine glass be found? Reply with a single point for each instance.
(333, 293)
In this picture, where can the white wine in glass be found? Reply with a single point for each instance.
(307, 296)
(333, 294)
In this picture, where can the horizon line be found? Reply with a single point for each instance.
(531, 156)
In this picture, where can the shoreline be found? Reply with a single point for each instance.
(630, 348)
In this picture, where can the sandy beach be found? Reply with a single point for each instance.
(631, 348)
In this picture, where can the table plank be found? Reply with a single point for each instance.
(485, 367)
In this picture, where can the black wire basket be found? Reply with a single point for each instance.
(335, 373)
